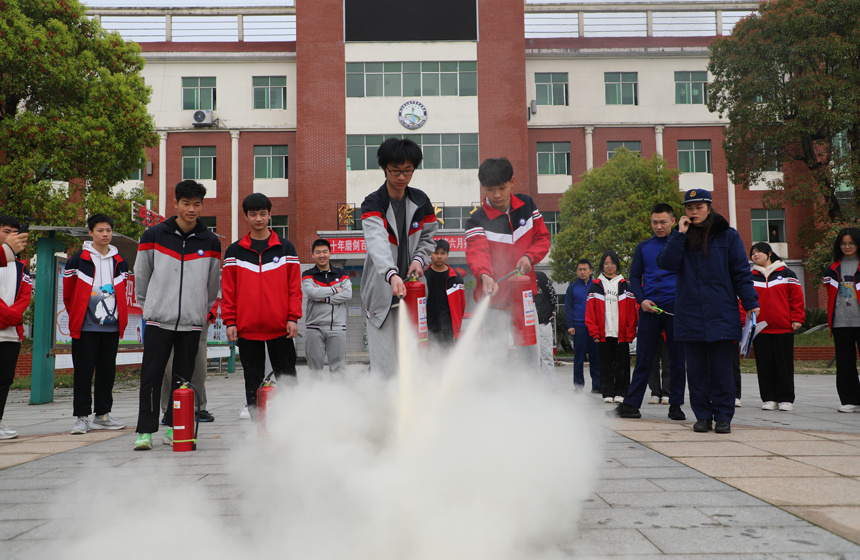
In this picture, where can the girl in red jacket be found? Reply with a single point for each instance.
(781, 300)
(611, 313)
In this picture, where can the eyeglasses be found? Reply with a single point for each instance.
(404, 172)
(847, 244)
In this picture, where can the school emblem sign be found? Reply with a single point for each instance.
(412, 115)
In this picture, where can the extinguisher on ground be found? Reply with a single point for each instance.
(416, 306)
(265, 394)
(184, 424)
(523, 312)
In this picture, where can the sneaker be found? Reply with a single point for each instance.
(82, 426)
(143, 443)
(675, 412)
(6, 433)
(204, 416)
(654, 400)
(738, 403)
(702, 426)
(624, 411)
(596, 390)
(245, 415)
(168, 437)
(722, 428)
(105, 422)
(664, 400)
(619, 399)
(610, 400)
(849, 408)
(768, 405)
(786, 406)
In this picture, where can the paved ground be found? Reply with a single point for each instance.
(781, 485)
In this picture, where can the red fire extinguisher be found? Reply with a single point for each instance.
(523, 313)
(265, 394)
(184, 429)
(416, 306)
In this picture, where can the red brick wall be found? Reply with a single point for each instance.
(671, 135)
(24, 367)
(576, 137)
(502, 102)
(601, 136)
(321, 126)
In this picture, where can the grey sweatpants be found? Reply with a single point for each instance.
(198, 377)
(382, 345)
(320, 343)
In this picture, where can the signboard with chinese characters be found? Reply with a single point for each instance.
(355, 245)
(143, 215)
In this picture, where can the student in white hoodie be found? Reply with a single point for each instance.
(95, 299)
(611, 314)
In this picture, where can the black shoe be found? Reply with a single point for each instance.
(596, 390)
(577, 388)
(675, 412)
(702, 426)
(624, 411)
(723, 428)
(204, 416)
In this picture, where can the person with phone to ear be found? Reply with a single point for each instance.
(713, 273)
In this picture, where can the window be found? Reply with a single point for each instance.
(633, 146)
(198, 94)
(441, 151)
(551, 89)
(198, 162)
(136, 175)
(270, 162)
(553, 158)
(280, 225)
(455, 216)
(691, 88)
(270, 92)
(768, 226)
(551, 220)
(211, 223)
(772, 162)
(694, 156)
(409, 79)
(622, 88)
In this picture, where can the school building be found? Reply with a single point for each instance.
(293, 102)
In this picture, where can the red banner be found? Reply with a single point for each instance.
(355, 245)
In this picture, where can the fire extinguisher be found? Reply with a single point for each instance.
(265, 394)
(184, 426)
(416, 306)
(523, 313)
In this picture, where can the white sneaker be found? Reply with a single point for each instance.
(245, 415)
(105, 422)
(768, 405)
(654, 400)
(849, 408)
(6, 433)
(619, 399)
(664, 400)
(82, 426)
(738, 403)
(611, 400)
(786, 406)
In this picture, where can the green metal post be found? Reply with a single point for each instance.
(231, 361)
(42, 376)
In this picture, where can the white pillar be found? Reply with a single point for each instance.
(162, 173)
(658, 138)
(234, 185)
(589, 147)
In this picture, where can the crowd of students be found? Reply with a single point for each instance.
(680, 303)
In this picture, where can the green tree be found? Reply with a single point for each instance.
(788, 80)
(610, 208)
(73, 107)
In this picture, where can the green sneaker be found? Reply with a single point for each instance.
(143, 443)
(168, 437)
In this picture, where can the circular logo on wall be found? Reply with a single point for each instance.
(412, 115)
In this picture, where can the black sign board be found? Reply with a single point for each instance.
(411, 20)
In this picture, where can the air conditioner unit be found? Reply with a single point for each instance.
(203, 118)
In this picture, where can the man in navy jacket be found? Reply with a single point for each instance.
(574, 314)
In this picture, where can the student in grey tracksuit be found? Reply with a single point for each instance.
(328, 291)
(398, 222)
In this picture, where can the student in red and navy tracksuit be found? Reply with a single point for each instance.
(15, 290)
(446, 297)
(843, 315)
(261, 298)
(505, 233)
(176, 280)
(781, 300)
(611, 314)
(94, 283)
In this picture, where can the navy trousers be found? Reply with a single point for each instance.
(651, 329)
(710, 379)
(582, 344)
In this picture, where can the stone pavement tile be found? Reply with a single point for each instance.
(36, 445)
(837, 436)
(842, 520)
(798, 448)
(24, 496)
(799, 491)
(16, 528)
(675, 471)
(769, 466)
(772, 540)
(763, 515)
(643, 436)
(90, 437)
(13, 459)
(709, 557)
(844, 465)
(597, 543)
(627, 485)
(34, 483)
(629, 449)
(32, 510)
(703, 484)
(753, 434)
(679, 499)
(712, 448)
(636, 518)
(621, 425)
(594, 502)
(646, 460)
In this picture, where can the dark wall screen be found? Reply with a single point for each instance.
(411, 20)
